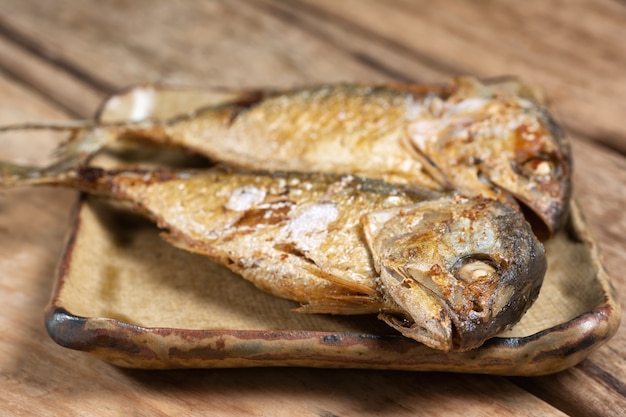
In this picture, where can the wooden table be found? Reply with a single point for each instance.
(59, 59)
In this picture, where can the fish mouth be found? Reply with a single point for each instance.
(454, 306)
(448, 332)
(441, 339)
(422, 315)
(451, 332)
(474, 318)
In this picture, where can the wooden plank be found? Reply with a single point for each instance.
(601, 399)
(68, 92)
(212, 43)
(221, 44)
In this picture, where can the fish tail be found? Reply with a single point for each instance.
(86, 139)
(89, 179)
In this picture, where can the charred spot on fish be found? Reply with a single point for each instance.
(163, 175)
(407, 283)
(89, 174)
(292, 249)
(475, 268)
(435, 270)
(264, 216)
(477, 307)
(251, 99)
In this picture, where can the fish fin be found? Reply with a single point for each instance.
(344, 282)
(429, 167)
(344, 303)
(348, 304)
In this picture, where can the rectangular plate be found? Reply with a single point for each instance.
(131, 299)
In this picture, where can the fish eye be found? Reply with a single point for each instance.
(475, 267)
(540, 168)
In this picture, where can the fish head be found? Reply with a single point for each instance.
(502, 146)
(460, 270)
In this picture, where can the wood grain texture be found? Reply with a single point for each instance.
(58, 59)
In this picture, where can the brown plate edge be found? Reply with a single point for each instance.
(122, 344)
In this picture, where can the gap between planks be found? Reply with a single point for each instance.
(285, 12)
(57, 81)
(32, 46)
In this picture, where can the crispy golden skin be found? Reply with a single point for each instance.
(446, 270)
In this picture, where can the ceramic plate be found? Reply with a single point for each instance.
(127, 297)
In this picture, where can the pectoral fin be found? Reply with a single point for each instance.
(342, 304)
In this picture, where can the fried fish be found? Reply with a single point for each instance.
(446, 270)
(492, 140)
